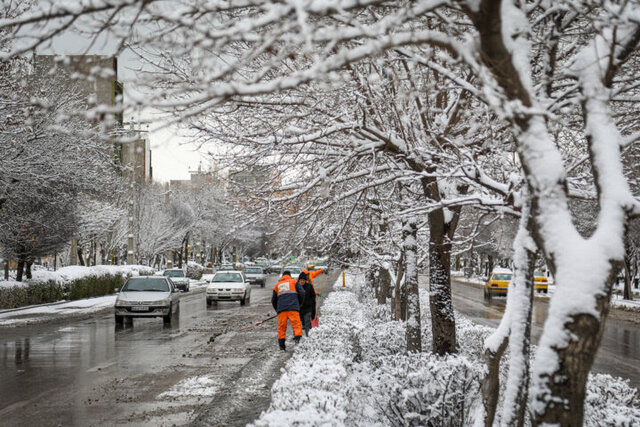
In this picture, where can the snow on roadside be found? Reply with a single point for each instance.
(201, 386)
(33, 314)
(73, 272)
(352, 370)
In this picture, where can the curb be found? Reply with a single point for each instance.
(27, 307)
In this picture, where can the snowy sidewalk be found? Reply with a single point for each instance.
(352, 370)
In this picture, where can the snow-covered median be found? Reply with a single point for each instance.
(352, 370)
(36, 314)
(68, 283)
(66, 275)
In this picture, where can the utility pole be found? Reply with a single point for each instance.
(130, 250)
(167, 200)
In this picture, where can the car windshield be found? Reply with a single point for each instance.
(145, 284)
(539, 274)
(173, 273)
(502, 276)
(253, 270)
(226, 277)
(294, 271)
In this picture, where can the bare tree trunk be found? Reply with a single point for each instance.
(397, 295)
(520, 302)
(568, 383)
(186, 248)
(385, 285)
(491, 382)
(27, 269)
(91, 254)
(443, 326)
(374, 279)
(627, 293)
(80, 257)
(6, 269)
(20, 270)
(414, 326)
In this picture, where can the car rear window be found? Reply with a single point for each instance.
(254, 270)
(501, 277)
(145, 284)
(227, 277)
(173, 273)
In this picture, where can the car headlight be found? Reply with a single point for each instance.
(121, 303)
(165, 301)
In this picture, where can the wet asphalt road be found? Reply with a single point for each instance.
(91, 373)
(619, 352)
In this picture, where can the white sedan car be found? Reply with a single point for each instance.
(228, 286)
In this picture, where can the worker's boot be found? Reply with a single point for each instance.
(281, 343)
(296, 340)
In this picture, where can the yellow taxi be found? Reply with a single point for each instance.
(540, 281)
(498, 282)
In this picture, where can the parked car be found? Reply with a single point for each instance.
(227, 267)
(147, 296)
(255, 275)
(540, 282)
(178, 278)
(498, 282)
(228, 286)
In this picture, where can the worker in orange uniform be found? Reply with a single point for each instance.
(286, 300)
(311, 275)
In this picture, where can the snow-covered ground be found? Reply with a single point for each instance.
(23, 316)
(73, 272)
(352, 370)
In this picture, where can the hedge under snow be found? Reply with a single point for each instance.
(352, 370)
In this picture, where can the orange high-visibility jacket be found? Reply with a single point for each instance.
(287, 295)
(311, 275)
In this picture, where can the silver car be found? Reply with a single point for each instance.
(255, 275)
(179, 279)
(148, 296)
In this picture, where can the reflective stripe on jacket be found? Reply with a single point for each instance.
(287, 295)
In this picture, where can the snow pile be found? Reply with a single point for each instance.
(68, 274)
(46, 312)
(352, 370)
(194, 270)
(202, 386)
